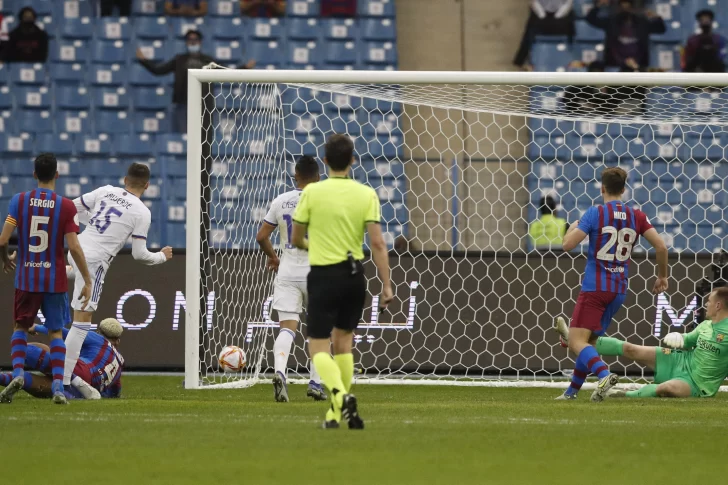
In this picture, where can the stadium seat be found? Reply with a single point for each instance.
(375, 8)
(173, 144)
(176, 235)
(224, 8)
(111, 122)
(340, 29)
(153, 50)
(665, 56)
(71, 9)
(27, 74)
(151, 99)
(104, 167)
(139, 76)
(267, 53)
(13, 146)
(265, 28)
(111, 28)
(7, 123)
(72, 97)
(110, 98)
(227, 28)
(378, 29)
(337, 52)
(151, 28)
(41, 7)
(69, 51)
(303, 8)
(551, 57)
(141, 8)
(6, 99)
(107, 75)
(304, 53)
(109, 52)
(4, 76)
(74, 188)
(151, 122)
(33, 97)
(140, 146)
(380, 53)
(227, 52)
(586, 33)
(93, 146)
(33, 121)
(72, 121)
(181, 25)
(303, 29)
(76, 28)
(674, 32)
(61, 144)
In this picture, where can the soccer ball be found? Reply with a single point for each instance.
(232, 359)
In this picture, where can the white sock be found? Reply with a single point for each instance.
(315, 377)
(74, 342)
(282, 349)
(85, 389)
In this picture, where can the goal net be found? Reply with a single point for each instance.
(463, 164)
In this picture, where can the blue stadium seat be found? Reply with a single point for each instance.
(181, 25)
(587, 33)
(61, 144)
(111, 28)
(304, 53)
(705, 104)
(140, 146)
(267, 53)
(71, 9)
(27, 74)
(110, 98)
(303, 8)
(93, 146)
(265, 28)
(33, 97)
(227, 51)
(391, 191)
(41, 7)
(7, 123)
(4, 76)
(69, 51)
(104, 167)
(109, 52)
(74, 188)
(340, 52)
(151, 28)
(6, 99)
(230, 28)
(111, 122)
(224, 8)
(303, 29)
(173, 144)
(33, 121)
(78, 28)
(107, 75)
(674, 32)
(340, 29)
(139, 76)
(380, 53)
(381, 146)
(72, 97)
(151, 122)
(665, 56)
(72, 121)
(151, 99)
(376, 8)
(154, 50)
(13, 146)
(378, 29)
(306, 123)
(176, 235)
(141, 8)
(551, 57)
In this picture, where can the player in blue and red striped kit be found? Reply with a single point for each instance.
(43, 219)
(613, 230)
(98, 369)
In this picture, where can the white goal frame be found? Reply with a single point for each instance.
(194, 143)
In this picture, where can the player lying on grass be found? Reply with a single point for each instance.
(97, 373)
(690, 365)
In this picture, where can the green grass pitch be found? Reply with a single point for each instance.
(160, 433)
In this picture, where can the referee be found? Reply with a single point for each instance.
(335, 214)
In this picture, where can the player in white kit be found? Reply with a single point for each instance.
(112, 215)
(289, 293)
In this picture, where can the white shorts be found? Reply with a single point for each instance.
(289, 298)
(97, 270)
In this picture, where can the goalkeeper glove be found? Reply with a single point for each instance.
(674, 340)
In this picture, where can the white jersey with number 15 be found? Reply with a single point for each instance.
(294, 262)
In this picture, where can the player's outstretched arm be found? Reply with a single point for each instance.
(381, 261)
(140, 253)
(263, 240)
(660, 248)
(573, 237)
(8, 260)
(74, 247)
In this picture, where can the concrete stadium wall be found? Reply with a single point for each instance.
(463, 35)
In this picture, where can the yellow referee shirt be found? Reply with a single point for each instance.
(336, 211)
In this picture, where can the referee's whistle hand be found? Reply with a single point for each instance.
(387, 297)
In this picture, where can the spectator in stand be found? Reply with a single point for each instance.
(263, 8)
(338, 8)
(547, 233)
(192, 59)
(547, 17)
(27, 42)
(627, 32)
(107, 8)
(186, 8)
(706, 51)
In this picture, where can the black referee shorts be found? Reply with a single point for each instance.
(335, 298)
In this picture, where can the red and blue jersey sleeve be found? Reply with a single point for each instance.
(641, 222)
(590, 221)
(69, 217)
(12, 217)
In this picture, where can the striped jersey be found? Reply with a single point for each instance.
(42, 218)
(613, 230)
(105, 362)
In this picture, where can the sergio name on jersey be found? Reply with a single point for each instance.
(294, 262)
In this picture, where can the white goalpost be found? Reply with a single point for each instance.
(462, 162)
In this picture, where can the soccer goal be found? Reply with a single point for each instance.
(462, 162)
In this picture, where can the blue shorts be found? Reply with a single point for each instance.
(53, 305)
(595, 309)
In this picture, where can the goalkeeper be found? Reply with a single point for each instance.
(689, 365)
